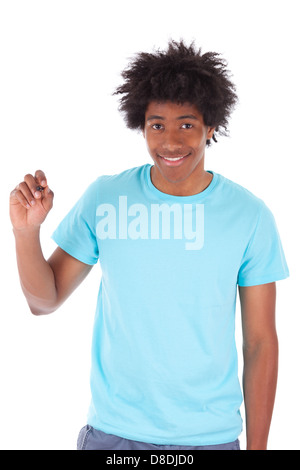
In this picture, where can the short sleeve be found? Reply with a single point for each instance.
(264, 260)
(76, 233)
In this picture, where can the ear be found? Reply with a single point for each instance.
(210, 132)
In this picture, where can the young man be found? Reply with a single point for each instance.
(174, 242)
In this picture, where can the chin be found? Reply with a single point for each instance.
(177, 173)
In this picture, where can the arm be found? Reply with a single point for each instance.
(46, 284)
(260, 350)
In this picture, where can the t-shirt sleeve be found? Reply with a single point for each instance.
(76, 233)
(264, 260)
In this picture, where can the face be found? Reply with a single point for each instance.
(176, 139)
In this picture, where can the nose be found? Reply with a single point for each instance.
(172, 142)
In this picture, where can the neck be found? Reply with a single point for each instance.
(188, 187)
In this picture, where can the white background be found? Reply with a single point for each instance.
(60, 62)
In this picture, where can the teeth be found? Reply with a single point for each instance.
(173, 159)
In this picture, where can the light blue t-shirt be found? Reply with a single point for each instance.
(164, 360)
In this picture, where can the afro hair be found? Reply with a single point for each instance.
(181, 74)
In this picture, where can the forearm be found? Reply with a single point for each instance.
(36, 276)
(259, 382)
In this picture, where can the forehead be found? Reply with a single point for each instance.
(170, 110)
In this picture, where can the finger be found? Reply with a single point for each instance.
(19, 196)
(47, 200)
(26, 192)
(32, 185)
(40, 178)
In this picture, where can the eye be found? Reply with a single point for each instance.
(157, 127)
(187, 126)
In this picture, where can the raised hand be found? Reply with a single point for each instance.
(30, 201)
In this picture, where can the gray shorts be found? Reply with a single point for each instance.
(92, 439)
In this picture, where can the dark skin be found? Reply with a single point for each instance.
(260, 350)
(172, 131)
(48, 283)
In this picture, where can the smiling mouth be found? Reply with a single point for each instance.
(174, 159)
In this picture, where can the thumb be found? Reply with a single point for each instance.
(47, 199)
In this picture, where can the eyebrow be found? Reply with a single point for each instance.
(186, 116)
(152, 117)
